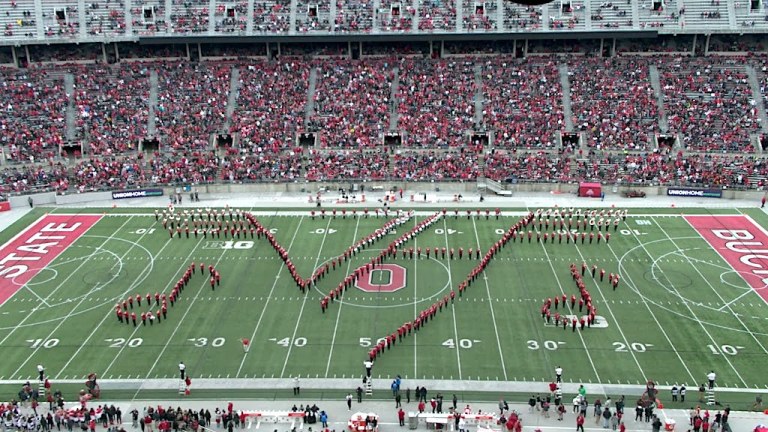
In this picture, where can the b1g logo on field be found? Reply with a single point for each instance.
(384, 278)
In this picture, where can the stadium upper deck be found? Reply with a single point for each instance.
(36, 21)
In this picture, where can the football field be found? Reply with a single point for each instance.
(690, 298)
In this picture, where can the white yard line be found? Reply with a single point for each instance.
(728, 305)
(172, 337)
(717, 293)
(62, 283)
(630, 283)
(562, 291)
(42, 300)
(453, 307)
(341, 303)
(110, 312)
(136, 329)
(490, 306)
(688, 306)
(415, 301)
(73, 309)
(304, 302)
(269, 298)
(610, 311)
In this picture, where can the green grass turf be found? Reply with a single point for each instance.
(664, 321)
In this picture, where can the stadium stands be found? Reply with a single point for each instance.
(271, 105)
(436, 105)
(523, 105)
(709, 105)
(614, 102)
(352, 103)
(433, 108)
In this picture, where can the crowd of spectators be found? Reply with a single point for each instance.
(523, 102)
(272, 16)
(613, 102)
(347, 164)
(231, 17)
(479, 16)
(396, 17)
(190, 16)
(271, 105)
(711, 106)
(313, 16)
(436, 101)
(437, 15)
(148, 17)
(111, 107)
(192, 102)
(353, 16)
(534, 166)
(518, 17)
(433, 165)
(708, 105)
(352, 102)
(34, 109)
(103, 17)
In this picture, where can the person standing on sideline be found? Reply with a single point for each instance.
(682, 393)
(674, 393)
(359, 394)
(455, 401)
(368, 366)
(401, 417)
(398, 398)
(711, 378)
(559, 374)
(41, 372)
(296, 387)
(762, 202)
(182, 369)
(580, 423)
(349, 401)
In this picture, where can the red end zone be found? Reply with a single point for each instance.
(34, 248)
(741, 242)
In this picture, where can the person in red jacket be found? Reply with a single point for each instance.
(401, 417)
(580, 423)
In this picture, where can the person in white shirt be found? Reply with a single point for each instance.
(711, 377)
(559, 374)
(368, 365)
(41, 372)
(182, 369)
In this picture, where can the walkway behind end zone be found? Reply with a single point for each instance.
(30, 251)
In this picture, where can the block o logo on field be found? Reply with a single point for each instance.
(384, 278)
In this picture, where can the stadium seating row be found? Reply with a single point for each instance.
(22, 20)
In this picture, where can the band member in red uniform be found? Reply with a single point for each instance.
(213, 283)
(143, 318)
(133, 318)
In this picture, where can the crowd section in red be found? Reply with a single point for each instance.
(440, 109)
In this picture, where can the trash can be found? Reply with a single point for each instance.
(413, 420)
